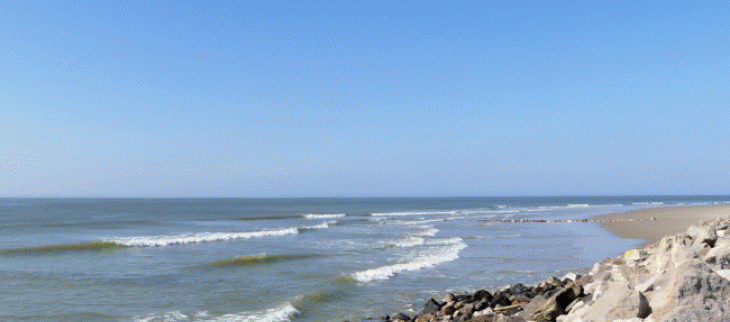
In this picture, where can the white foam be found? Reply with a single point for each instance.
(156, 241)
(284, 313)
(323, 225)
(582, 205)
(409, 242)
(323, 216)
(429, 231)
(415, 213)
(440, 255)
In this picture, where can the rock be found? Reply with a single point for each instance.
(518, 289)
(481, 305)
(648, 285)
(570, 277)
(718, 224)
(703, 234)
(426, 318)
(481, 295)
(400, 317)
(464, 298)
(719, 257)
(448, 309)
(499, 299)
(630, 275)
(483, 313)
(552, 280)
(557, 303)
(506, 318)
(459, 305)
(634, 255)
(449, 298)
(618, 301)
(533, 306)
(431, 306)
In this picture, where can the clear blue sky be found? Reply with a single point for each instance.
(389, 98)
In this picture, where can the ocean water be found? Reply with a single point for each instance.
(286, 259)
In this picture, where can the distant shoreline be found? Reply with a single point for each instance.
(653, 224)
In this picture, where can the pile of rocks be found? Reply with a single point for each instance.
(685, 277)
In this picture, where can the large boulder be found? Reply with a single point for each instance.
(693, 292)
(431, 306)
(702, 234)
(557, 304)
(617, 301)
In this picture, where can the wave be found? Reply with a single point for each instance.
(274, 217)
(414, 213)
(442, 255)
(156, 241)
(581, 205)
(91, 246)
(322, 216)
(255, 260)
(469, 211)
(429, 231)
(283, 313)
(323, 225)
(408, 242)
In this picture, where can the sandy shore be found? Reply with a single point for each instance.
(669, 220)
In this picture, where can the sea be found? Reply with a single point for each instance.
(303, 259)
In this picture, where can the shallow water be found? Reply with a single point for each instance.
(285, 259)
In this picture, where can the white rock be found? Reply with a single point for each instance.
(618, 301)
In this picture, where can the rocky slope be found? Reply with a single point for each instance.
(685, 277)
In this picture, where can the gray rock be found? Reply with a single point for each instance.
(719, 257)
(618, 301)
(556, 304)
(449, 298)
(481, 295)
(431, 306)
(703, 234)
(693, 292)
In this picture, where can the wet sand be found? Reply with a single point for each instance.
(653, 224)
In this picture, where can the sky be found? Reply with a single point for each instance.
(364, 99)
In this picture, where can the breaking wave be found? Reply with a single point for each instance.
(408, 242)
(441, 255)
(323, 216)
(415, 213)
(323, 225)
(156, 241)
(428, 231)
(284, 313)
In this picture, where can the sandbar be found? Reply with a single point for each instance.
(653, 224)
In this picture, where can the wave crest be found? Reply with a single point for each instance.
(323, 216)
(156, 241)
(444, 254)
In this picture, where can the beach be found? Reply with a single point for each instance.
(680, 273)
(653, 224)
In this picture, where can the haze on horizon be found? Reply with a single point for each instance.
(230, 99)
